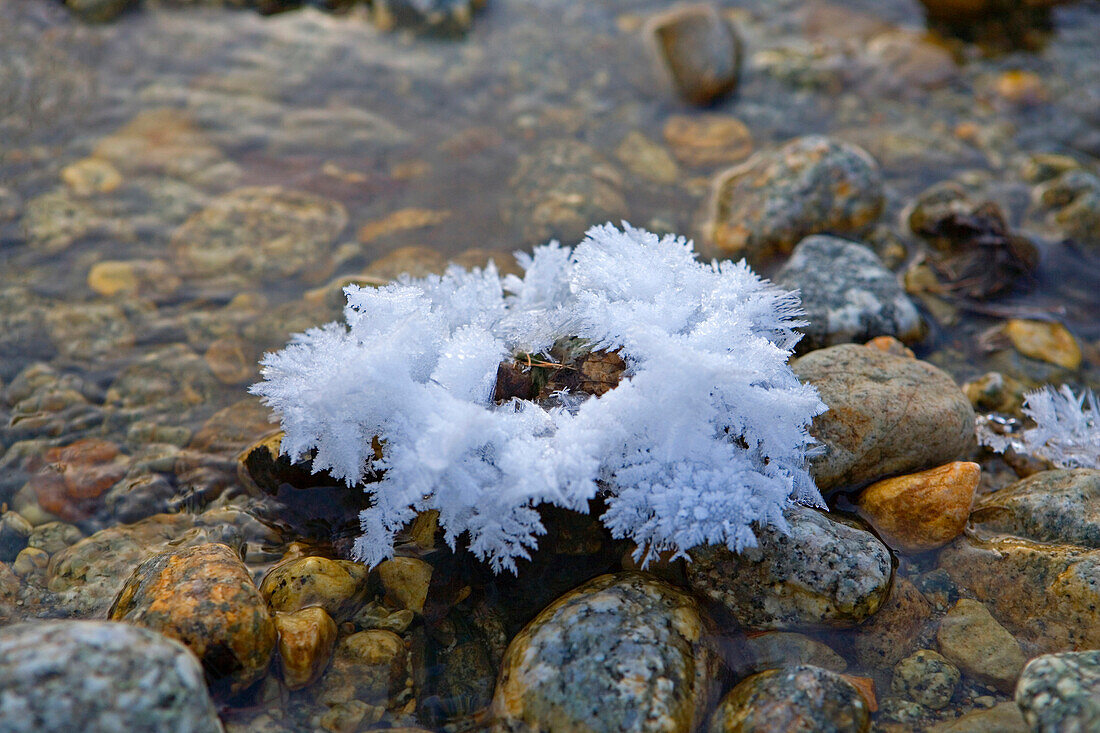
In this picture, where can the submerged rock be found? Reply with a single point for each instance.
(773, 200)
(306, 640)
(698, 49)
(1061, 692)
(1061, 506)
(971, 638)
(887, 415)
(337, 586)
(820, 573)
(847, 293)
(621, 652)
(370, 667)
(793, 699)
(927, 678)
(99, 677)
(203, 596)
(895, 628)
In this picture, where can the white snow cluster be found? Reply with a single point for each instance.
(705, 434)
(1066, 432)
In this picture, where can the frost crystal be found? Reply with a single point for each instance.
(705, 434)
(1066, 432)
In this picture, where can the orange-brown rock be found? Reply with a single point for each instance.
(76, 475)
(1050, 342)
(204, 597)
(338, 586)
(369, 666)
(922, 511)
(306, 640)
(708, 139)
(406, 582)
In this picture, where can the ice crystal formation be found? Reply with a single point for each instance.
(704, 435)
(1066, 432)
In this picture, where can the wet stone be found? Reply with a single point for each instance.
(75, 476)
(161, 141)
(369, 666)
(788, 649)
(820, 573)
(90, 176)
(894, 630)
(204, 597)
(1003, 718)
(1044, 593)
(646, 159)
(1061, 506)
(14, 531)
(1061, 692)
(562, 188)
(1072, 201)
(926, 677)
(31, 563)
(433, 16)
(708, 139)
(847, 293)
(971, 638)
(622, 651)
(1047, 341)
(53, 537)
(109, 677)
(801, 698)
(405, 581)
(268, 233)
(306, 640)
(337, 586)
(699, 51)
(768, 204)
(887, 415)
(414, 261)
(921, 511)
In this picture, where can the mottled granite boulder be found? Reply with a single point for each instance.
(204, 597)
(621, 652)
(769, 203)
(887, 415)
(821, 572)
(1061, 506)
(99, 677)
(793, 699)
(1061, 692)
(847, 293)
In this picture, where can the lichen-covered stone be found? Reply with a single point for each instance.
(970, 637)
(338, 586)
(921, 511)
(887, 415)
(820, 573)
(1060, 506)
(926, 677)
(1061, 692)
(847, 293)
(99, 677)
(1044, 593)
(801, 698)
(306, 640)
(622, 652)
(769, 203)
(204, 597)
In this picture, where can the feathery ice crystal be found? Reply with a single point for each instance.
(1066, 432)
(705, 434)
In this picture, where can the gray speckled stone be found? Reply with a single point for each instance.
(623, 652)
(822, 573)
(887, 415)
(847, 293)
(794, 699)
(926, 677)
(99, 676)
(1061, 692)
(1050, 506)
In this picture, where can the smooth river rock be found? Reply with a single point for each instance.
(796, 699)
(822, 572)
(1060, 506)
(99, 677)
(887, 415)
(622, 652)
(1061, 692)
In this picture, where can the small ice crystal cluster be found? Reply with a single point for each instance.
(705, 435)
(1066, 432)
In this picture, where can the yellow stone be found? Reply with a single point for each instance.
(338, 586)
(91, 175)
(406, 580)
(922, 511)
(306, 640)
(1049, 341)
(111, 277)
(647, 159)
(400, 221)
(30, 561)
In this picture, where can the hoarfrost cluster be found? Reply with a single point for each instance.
(705, 434)
(1066, 432)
